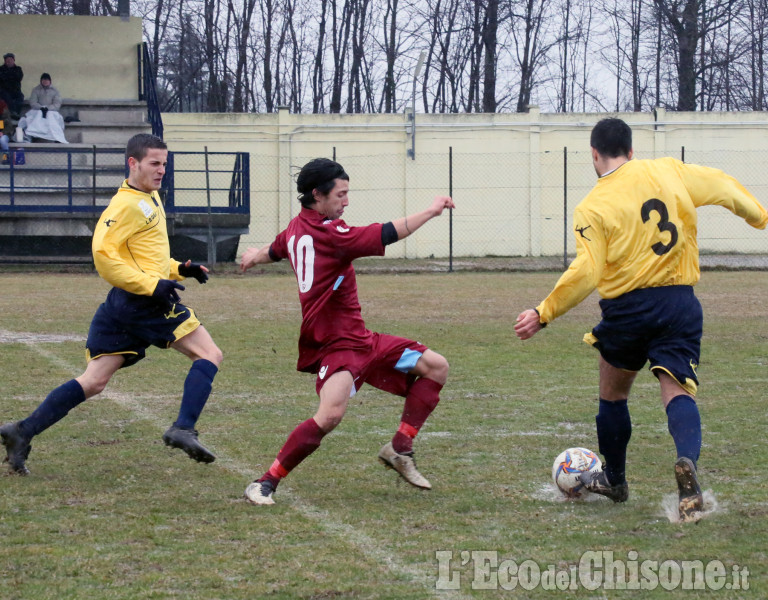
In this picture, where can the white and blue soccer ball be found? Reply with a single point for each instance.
(571, 463)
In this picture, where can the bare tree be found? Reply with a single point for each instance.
(476, 57)
(359, 33)
(489, 44)
(529, 19)
(627, 19)
(267, 20)
(390, 32)
(755, 22)
(481, 55)
(317, 71)
(340, 28)
(689, 22)
(243, 30)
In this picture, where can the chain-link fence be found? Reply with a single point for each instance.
(511, 204)
(507, 205)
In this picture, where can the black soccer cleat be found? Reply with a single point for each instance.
(597, 483)
(691, 500)
(17, 448)
(186, 439)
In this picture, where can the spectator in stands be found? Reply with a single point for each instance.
(45, 97)
(6, 132)
(10, 84)
(44, 121)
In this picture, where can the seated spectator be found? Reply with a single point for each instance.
(11, 75)
(45, 97)
(6, 132)
(44, 121)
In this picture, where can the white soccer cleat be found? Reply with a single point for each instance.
(260, 492)
(404, 465)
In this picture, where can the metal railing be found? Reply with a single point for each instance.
(82, 180)
(218, 182)
(60, 180)
(147, 89)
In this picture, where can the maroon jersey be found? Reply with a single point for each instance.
(321, 252)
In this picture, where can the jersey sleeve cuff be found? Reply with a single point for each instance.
(272, 256)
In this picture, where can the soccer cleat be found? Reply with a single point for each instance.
(597, 483)
(691, 499)
(186, 439)
(404, 465)
(17, 448)
(260, 492)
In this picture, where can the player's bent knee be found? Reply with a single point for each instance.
(329, 422)
(93, 386)
(439, 372)
(217, 357)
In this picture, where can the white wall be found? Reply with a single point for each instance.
(508, 170)
(89, 58)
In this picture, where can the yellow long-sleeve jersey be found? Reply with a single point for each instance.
(130, 242)
(637, 229)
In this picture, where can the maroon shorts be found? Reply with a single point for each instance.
(385, 366)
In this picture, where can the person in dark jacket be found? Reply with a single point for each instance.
(10, 84)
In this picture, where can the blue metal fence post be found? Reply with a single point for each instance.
(168, 180)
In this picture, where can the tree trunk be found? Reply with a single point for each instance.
(489, 45)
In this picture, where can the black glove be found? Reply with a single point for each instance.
(166, 290)
(44, 110)
(193, 270)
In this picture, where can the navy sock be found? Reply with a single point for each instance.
(684, 424)
(54, 408)
(197, 388)
(614, 428)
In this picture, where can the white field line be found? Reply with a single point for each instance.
(371, 548)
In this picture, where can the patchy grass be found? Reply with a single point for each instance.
(109, 512)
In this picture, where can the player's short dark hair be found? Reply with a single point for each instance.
(611, 137)
(141, 142)
(318, 174)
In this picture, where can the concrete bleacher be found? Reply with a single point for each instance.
(104, 121)
(60, 190)
(89, 168)
(49, 205)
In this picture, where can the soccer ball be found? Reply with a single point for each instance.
(569, 465)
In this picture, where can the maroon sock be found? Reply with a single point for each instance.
(421, 400)
(302, 442)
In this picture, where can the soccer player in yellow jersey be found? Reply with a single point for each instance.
(636, 243)
(131, 251)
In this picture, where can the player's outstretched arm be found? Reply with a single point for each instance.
(528, 324)
(254, 256)
(405, 226)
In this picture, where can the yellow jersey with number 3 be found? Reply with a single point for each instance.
(130, 242)
(637, 229)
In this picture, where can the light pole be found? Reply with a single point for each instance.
(412, 116)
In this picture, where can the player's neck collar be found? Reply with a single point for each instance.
(133, 187)
(616, 168)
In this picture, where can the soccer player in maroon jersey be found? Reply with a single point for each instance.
(334, 342)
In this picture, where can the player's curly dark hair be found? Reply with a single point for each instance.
(611, 137)
(138, 145)
(318, 174)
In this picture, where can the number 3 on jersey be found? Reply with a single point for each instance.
(303, 260)
(664, 224)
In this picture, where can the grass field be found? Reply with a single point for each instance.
(110, 512)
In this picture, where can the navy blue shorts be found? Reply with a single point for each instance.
(662, 325)
(128, 324)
